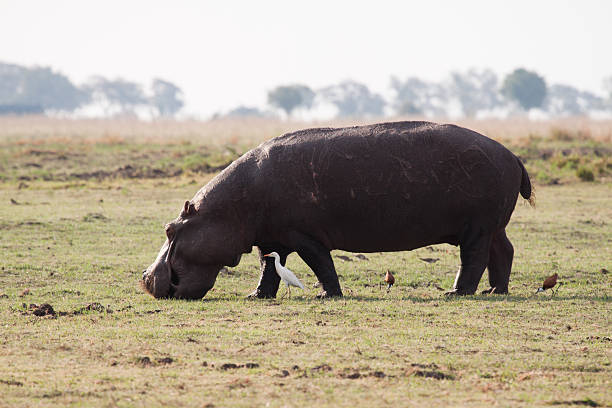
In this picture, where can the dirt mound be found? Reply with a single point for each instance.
(232, 366)
(44, 309)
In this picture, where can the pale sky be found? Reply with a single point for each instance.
(226, 53)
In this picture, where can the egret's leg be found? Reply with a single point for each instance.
(269, 280)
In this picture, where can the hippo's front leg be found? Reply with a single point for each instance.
(269, 280)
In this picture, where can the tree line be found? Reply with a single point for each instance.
(465, 94)
(37, 90)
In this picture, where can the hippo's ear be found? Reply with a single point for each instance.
(189, 209)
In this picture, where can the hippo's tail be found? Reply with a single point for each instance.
(527, 191)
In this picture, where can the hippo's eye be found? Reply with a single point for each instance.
(169, 231)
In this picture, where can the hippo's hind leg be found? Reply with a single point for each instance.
(474, 250)
(269, 280)
(500, 263)
(318, 258)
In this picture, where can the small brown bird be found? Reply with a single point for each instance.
(389, 279)
(549, 283)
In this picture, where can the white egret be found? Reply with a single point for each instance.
(285, 274)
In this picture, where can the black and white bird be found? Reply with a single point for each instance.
(285, 274)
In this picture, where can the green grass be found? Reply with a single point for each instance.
(82, 209)
(73, 245)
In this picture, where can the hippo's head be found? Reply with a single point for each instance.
(186, 266)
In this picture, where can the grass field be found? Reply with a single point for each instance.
(78, 227)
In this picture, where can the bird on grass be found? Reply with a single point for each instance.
(549, 283)
(285, 274)
(389, 279)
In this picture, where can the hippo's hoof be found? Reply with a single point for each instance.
(457, 292)
(258, 294)
(326, 295)
(495, 291)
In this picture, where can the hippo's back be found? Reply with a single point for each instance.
(390, 186)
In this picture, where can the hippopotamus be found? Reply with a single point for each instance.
(383, 187)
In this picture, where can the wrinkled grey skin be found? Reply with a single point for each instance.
(384, 187)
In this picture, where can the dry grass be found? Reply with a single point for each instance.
(252, 131)
(82, 251)
(80, 244)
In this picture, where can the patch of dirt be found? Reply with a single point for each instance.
(165, 360)
(587, 402)
(144, 361)
(361, 257)
(25, 292)
(3, 295)
(44, 309)
(232, 366)
(599, 338)
(435, 374)
(351, 376)
(322, 367)
(344, 258)
(11, 382)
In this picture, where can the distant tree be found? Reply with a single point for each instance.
(415, 96)
(525, 87)
(244, 111)
(567, 100)
(475, 90)
(354, 99)
(290, 97)
(124, 94)
(167, 97)
(38, 88)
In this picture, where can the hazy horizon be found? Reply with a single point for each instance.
(230, 54)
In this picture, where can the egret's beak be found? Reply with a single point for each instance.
(267, 255)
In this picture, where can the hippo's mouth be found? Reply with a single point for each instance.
(174, 277)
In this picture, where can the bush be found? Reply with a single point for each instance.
(585, 174)
(562, 135)
(571, 162)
